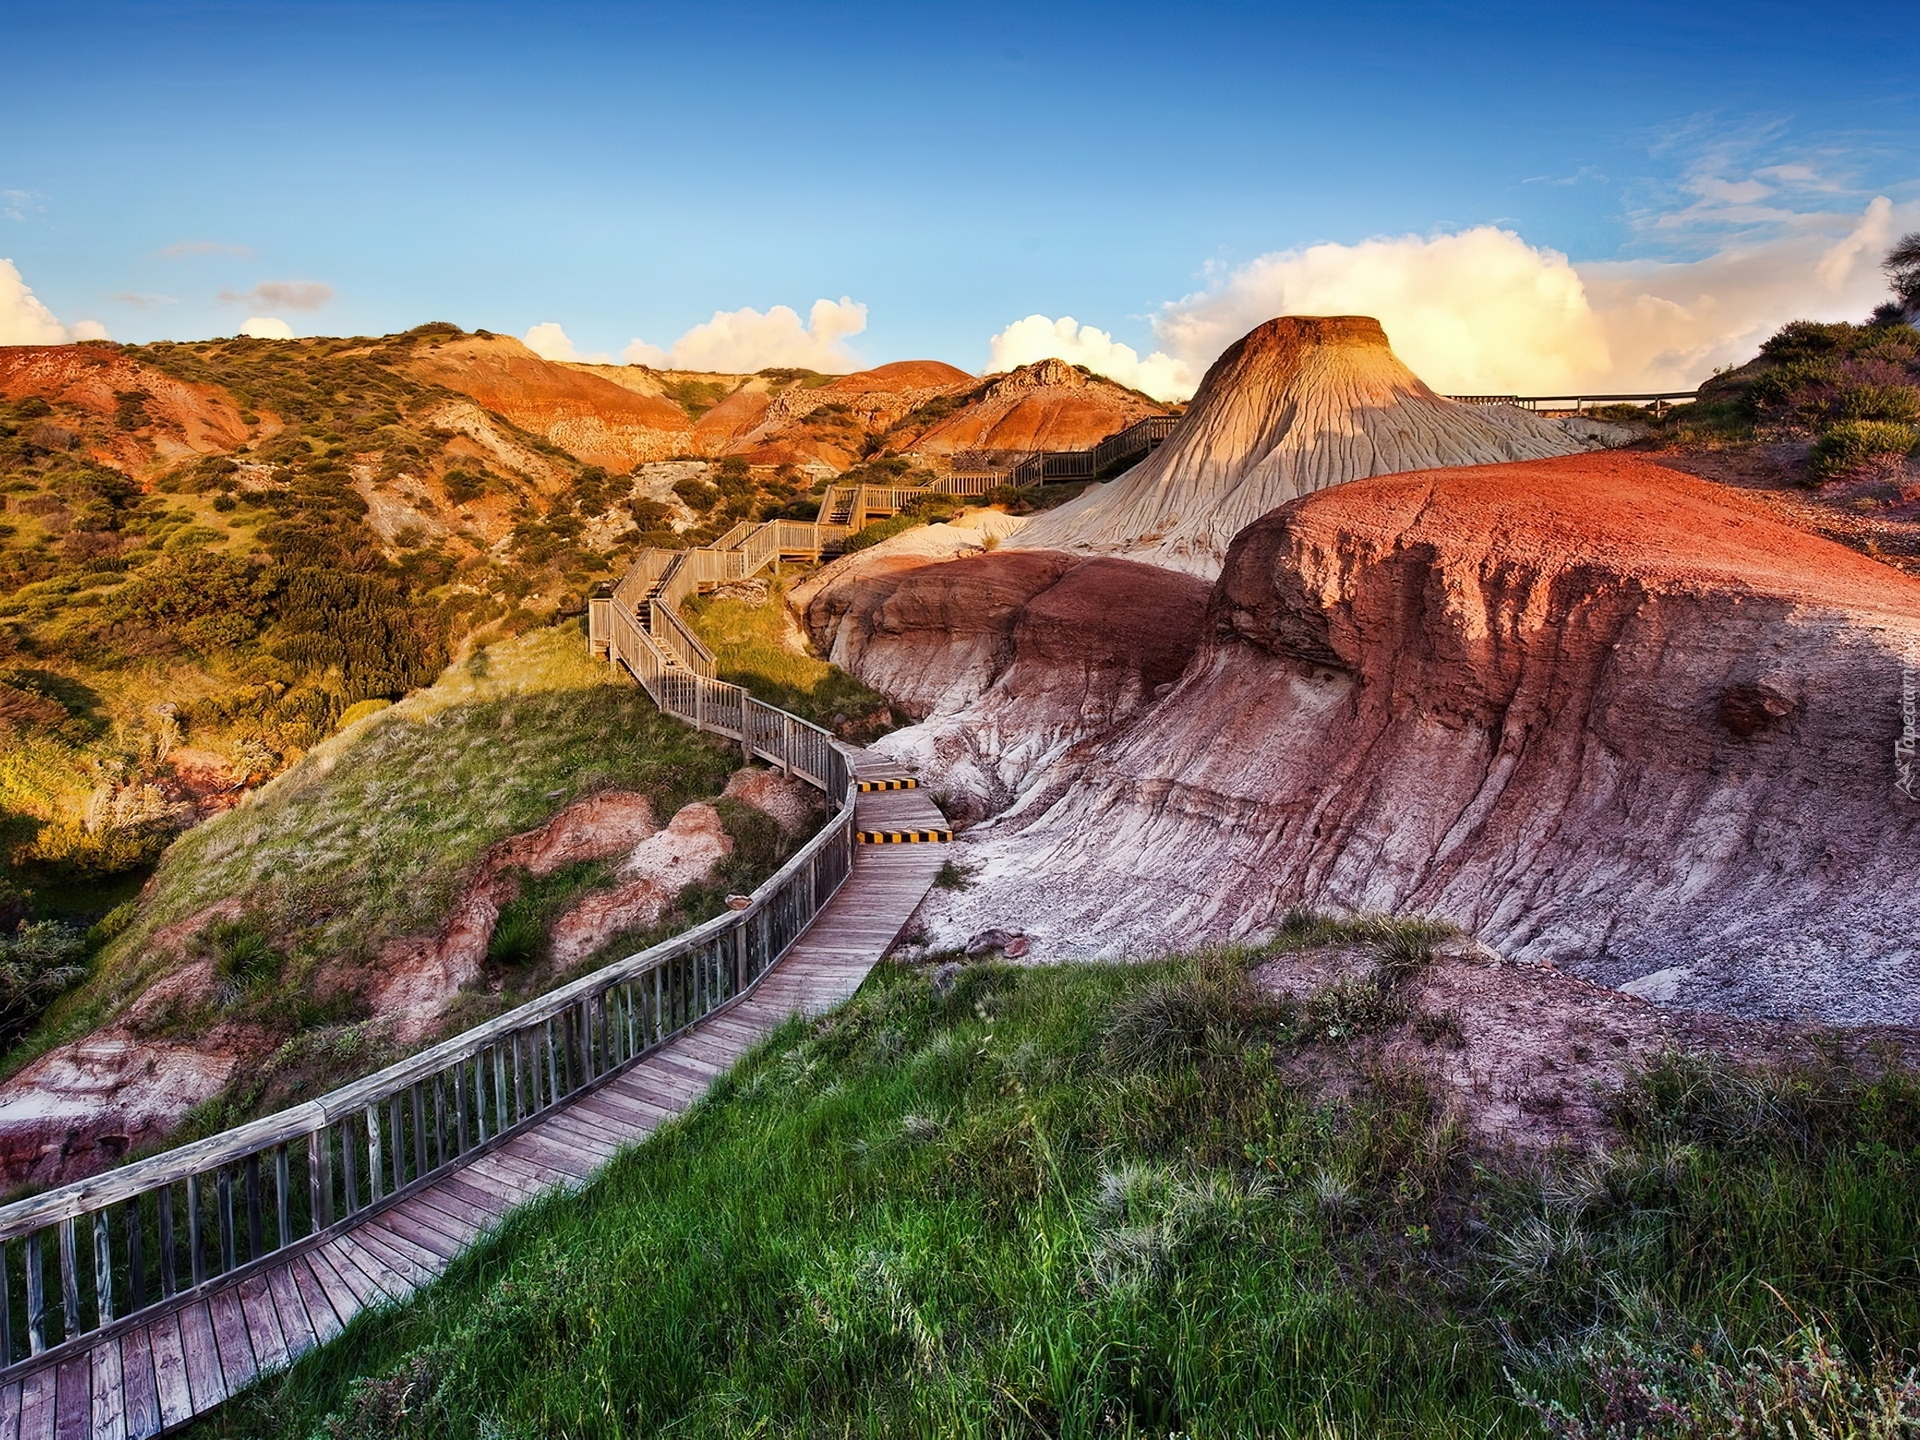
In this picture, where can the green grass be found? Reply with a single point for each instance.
(370, 836)
(1090, 1201)
(759, 645)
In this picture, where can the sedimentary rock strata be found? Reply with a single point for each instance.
(1009, 657)
(1598, 713)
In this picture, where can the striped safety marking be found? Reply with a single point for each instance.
(902, 837)
(889, 785)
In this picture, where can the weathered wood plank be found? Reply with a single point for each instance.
(323, 1313)
(404, 1230)
(136, 1369)
(237, 1360)
(108, 1418)
(367, 1291)
(10, 1410)
(206, 1381)
(520, 1166)
(73, 1398)
(454, 1217)
(38, 1392)
(415, 1265)
(495, 1203)
(295, 1326)
(263, 1323)
(170, 1387)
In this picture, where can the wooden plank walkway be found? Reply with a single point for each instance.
(218, 1340)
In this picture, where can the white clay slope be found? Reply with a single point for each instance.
(1298, 404)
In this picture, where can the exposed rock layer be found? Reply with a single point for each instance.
(1299, 404)
(1596, 712)
(1010, 657)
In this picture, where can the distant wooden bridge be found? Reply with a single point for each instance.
(135, 1300)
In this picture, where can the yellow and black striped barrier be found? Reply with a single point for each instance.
(909, 784)
(902, 837)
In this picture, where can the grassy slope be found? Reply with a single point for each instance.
(1101, 1201)
(369, 837)
(753, 645)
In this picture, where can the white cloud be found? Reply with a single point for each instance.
(25, 321)
(1484, 312)
(745, 340)
(550, 342)
(1477, 312)
(1038, 338)
(266, 327)
(19, 204)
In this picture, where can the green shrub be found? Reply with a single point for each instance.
(882, 530)
(1853, 442)
(1897, 403)
(38, 963)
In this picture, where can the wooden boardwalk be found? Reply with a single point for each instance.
(218, 1339)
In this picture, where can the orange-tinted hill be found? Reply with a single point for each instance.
(164, 419)
(1049, 405)
(593, 418)
(903, 375)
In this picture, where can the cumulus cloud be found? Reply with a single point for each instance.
(281, 295)
(1038, 338)
(24, 320)
(745, 340)
(1477, 312)
(266, 327)
(1482, 311)
(550, 342)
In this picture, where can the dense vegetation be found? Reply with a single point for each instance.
(240, 603)
(1156, 1200)
(1854, 390)
(294, 896)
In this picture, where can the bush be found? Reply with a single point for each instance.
(38, 963)
(1897, 403)
(1853, 442)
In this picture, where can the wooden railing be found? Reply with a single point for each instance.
(659, 580)
(1658, 400)
(87, 1259)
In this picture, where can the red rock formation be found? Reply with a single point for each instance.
(1013, 656)
(1596, 712)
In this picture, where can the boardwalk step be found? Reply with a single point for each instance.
(902, 837)
(907, 784)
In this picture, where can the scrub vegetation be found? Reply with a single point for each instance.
(1156, 1200)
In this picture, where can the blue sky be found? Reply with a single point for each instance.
(625, 171)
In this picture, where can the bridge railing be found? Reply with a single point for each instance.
(87, 1259)
(1657, 399)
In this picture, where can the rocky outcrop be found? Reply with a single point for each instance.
(1008, 658)
(1299, 404)
(1596, 712)
(1048, 405)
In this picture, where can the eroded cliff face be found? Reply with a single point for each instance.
(1008, 658)
(1598, 713)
